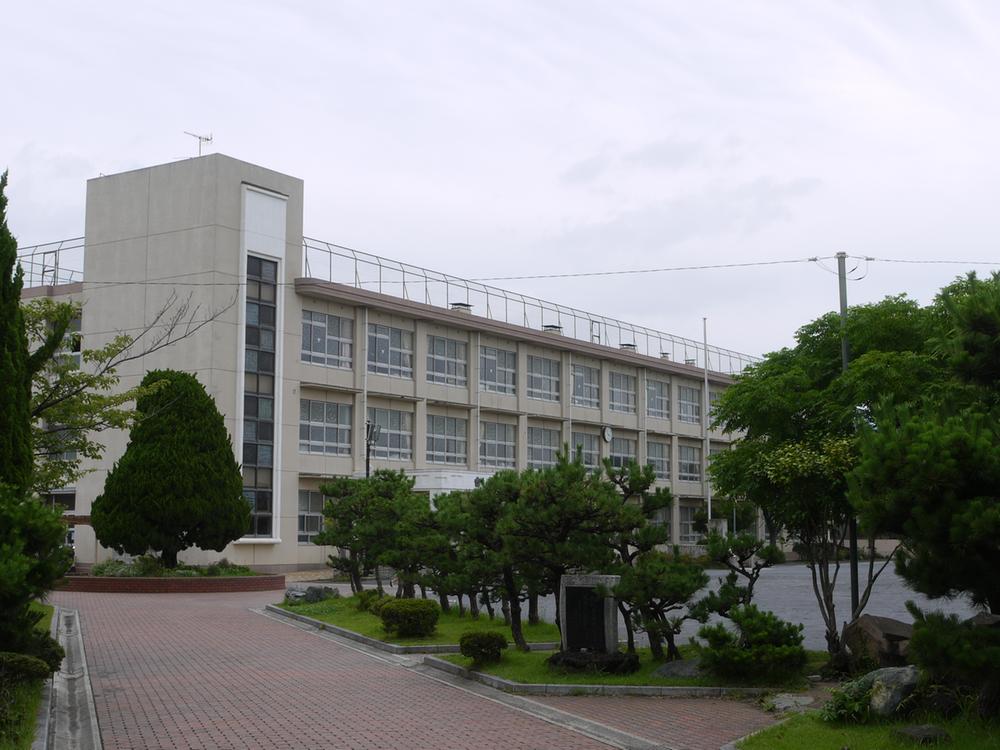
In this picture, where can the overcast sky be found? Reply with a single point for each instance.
(496, 139)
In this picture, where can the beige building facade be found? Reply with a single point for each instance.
(305, 343)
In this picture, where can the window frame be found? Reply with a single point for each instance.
(688, 410)
(383, 449)
(496, 441)
(383, 365)
(586, 392)
(311, 322)
(508, 368)
(456, 367)
(447, 446)
(657, 392)
(682, 462)
(544, 386)
(309, 513)
(308, 445)
(618, 385)
(537, 431)
(660, 464)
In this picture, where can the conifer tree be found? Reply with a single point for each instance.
(178, 484)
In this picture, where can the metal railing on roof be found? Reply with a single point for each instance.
(328, 261)
(52, 263)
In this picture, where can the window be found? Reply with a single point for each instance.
(65, 500)
(497, 444)
(622, 451)
(497, 370)
(69, 352)
(446, 361)
(658, 399)
(324, 427)
(689, 463)
(395, 441)
(446, 440)
(658, 456)
(589, 445)
(327, 339)
(622, 392)
(543, 378)
(688, 534)
(689, 404)
(258, 394)
(586, 386)
(310, 515)
(390, 351)
(543, 445)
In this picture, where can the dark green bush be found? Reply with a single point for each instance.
(850, 703)
(482, 647)
(957, 654)
(367, 598)
(376, 606)
(22, 667)
(763, 648)
(320, 593)
(410, 617)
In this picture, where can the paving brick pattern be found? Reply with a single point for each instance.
(193, 585)
(201, 671)
(680, 723)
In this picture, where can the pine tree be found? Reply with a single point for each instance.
(178, 484)
(15, 377)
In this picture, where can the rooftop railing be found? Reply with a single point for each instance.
(331, 262)
(52, 263)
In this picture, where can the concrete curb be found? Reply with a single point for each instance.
(44, 716)
(662, 691)
(391, 648)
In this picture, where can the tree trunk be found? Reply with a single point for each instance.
(505, 610)
(629, 630)
(443, 601)
(655, 647)
(473, 605)
(356, 585)
(673, 653)
(461, 605)
(514, 600)
(533, 609)
(488, 604)
(423, 591)
(169, 558)
(409, 590)
(378, 581)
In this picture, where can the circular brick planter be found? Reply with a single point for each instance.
(194, 585)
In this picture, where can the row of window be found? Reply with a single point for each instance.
(325, 427)
(328, 340)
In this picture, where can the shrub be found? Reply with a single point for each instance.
(319, 593)
(410, 617)
(111, 569)
(958, 654)
(366, 598)
(482, 647)
(850, 703)
(22, 667)
(376, 606)
(764, 646)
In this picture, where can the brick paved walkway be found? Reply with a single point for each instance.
(202, 671)
(680, 723)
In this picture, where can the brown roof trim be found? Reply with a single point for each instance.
(52, 290)
(420, 311)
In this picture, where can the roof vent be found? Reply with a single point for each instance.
(552, 328)
(690, 361)
(628, 347)
(664, 355)
(461, 307)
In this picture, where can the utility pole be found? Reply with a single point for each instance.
(852, 524)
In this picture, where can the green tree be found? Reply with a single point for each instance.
(32, 558)
(799, 415)
(17, 366)
(178, 484)
(930, 470)
(659, 588)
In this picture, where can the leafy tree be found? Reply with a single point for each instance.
(178, 484)
(32, 558)
(800, 414)
(746, 557)
(659, 588)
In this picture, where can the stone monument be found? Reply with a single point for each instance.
(588, 613)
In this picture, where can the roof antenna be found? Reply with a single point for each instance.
(202, 139)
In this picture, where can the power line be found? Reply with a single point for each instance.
(918, 261)
(647, 270)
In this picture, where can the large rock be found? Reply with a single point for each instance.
(889, 688)
(881, 639)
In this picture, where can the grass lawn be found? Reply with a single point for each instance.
(519, 666)
(17, 717)
(809, 731)
(344, 613)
